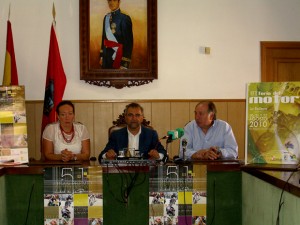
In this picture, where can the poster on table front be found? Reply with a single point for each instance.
(13, 128)
(273, 123)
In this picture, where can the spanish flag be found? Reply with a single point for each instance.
(10, 76)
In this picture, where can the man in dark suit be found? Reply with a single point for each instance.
(117, 38)
(134, 136)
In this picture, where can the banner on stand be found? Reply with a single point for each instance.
(273, 123)
(13, 127)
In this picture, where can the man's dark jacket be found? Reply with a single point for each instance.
(148, 140)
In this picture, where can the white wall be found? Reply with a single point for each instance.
(232, 29)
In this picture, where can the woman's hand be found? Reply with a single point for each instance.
(66, 155)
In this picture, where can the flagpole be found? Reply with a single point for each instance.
(9, 12)
(54, 23)
(53, 13)
(10, 75)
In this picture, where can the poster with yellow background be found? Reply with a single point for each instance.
(13, 127)
(273, 123)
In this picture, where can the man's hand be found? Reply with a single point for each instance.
(216, 150)
(153, 154)
(213, 153)
(111, 154)
(207, 154)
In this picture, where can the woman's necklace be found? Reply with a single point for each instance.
(72, 133)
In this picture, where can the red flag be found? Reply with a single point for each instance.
(10, 76)
(55, 81)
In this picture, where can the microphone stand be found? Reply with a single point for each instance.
(183, 153)
(169, 140)
(184, 144)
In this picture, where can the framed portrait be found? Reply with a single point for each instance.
(118, 42)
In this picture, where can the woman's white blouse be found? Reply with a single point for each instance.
(52, 133)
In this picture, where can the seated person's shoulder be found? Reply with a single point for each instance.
(148, 129)
(50, 130)
(222, 122)
(51, 125)
(78, 124)
(191, 124)
(118, 130)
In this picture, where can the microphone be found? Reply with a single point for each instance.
(175, 134)
(172, 135)
(184, 143)
(177, 159)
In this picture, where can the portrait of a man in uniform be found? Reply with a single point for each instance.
(117, 38)
(118, 34)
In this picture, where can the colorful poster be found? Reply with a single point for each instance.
(13, 128)
(177, 196)
(73, 196)
(273, 123)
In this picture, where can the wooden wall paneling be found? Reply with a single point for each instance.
(192, 109)
(84, 113)
(236, 118)
(147, 106)
(38, 127)
(103, 118)
(179, 117)
(161, 118)
(180, 114)
(222, 108)
(31, 124)
(118, 109)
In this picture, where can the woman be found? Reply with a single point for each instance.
(66, 140)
